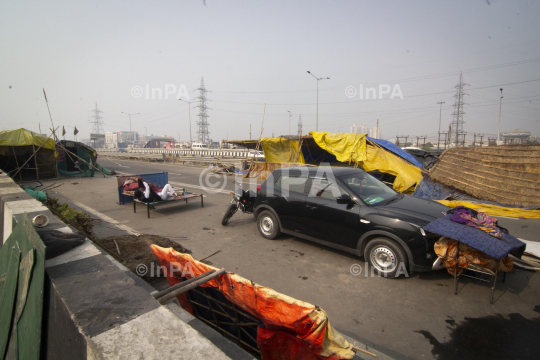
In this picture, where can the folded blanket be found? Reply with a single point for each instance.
(492, 246)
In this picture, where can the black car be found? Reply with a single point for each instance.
(350, 210)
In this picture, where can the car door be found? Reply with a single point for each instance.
(327, 220)
(288, 200)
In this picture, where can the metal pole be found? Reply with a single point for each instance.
(289, 122)
(317, 115)
(189, 112)
(440, 117)
(500, 108)
(317, 124)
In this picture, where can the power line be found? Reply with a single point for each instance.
(423, 77)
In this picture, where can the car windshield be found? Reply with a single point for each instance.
(368, 188)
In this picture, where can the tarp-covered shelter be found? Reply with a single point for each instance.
(285, 328)
(394, 165)
(508, 174)
(70, 165)
(17, 147)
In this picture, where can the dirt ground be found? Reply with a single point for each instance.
(135, 250)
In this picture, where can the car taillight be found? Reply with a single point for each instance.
(259, 187)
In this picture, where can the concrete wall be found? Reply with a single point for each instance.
(95, 308)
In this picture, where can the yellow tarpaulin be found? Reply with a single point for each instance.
(407, 175)
(345, 147)
(281, 150)
(494, 209)
(353, 147)
(23, 137)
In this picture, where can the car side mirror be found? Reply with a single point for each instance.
(344, 199)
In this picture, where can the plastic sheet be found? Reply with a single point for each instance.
(23, 137)
(407, 175)
(281, 150)
(293, 329)
(396, 150)
(38, 195)
(495, 210)
(353, 147)
(346, 147)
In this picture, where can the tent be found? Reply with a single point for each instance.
(389, 163)
(18, 155)
(70, 165)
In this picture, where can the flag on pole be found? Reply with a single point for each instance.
(63, 131)
(75, 132)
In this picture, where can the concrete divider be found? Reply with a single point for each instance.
(95, 308)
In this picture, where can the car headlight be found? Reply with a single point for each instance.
(419, 228)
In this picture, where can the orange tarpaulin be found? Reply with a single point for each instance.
(293, 329)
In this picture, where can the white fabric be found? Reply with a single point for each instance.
(166, 192)
(147, 190)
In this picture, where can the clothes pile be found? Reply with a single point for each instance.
(447, 250)
(469, 237)
(477, 220)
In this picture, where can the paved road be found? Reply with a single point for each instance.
(416, 317)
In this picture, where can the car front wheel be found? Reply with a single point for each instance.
(387, 257)
(268, 225)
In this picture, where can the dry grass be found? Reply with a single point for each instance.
(505, 174)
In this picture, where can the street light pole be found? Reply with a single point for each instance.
(440, 117)
(130, 134)
(189, 112)
(499, 131)
(318, 79)
(289, 121)
(130, 119)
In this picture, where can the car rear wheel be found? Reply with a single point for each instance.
(387, 257)
(268, 225)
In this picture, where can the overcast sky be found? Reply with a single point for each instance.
(253, 53)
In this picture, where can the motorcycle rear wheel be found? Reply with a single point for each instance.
(229, 213)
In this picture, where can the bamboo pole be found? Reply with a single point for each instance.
(364, 351)
(89, 164)
(16, 162)
(299, 146)
(259, 141)
(40, 146)
(35, 160)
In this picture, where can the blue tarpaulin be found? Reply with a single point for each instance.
(429, 189)
(475, 238)
(396, 150)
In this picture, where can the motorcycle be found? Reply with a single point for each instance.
(243, 200)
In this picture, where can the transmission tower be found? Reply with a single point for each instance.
(457, 134)
(202, 124)
(299, 125)
(97, 122)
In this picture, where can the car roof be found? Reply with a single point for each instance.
(337, 171)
